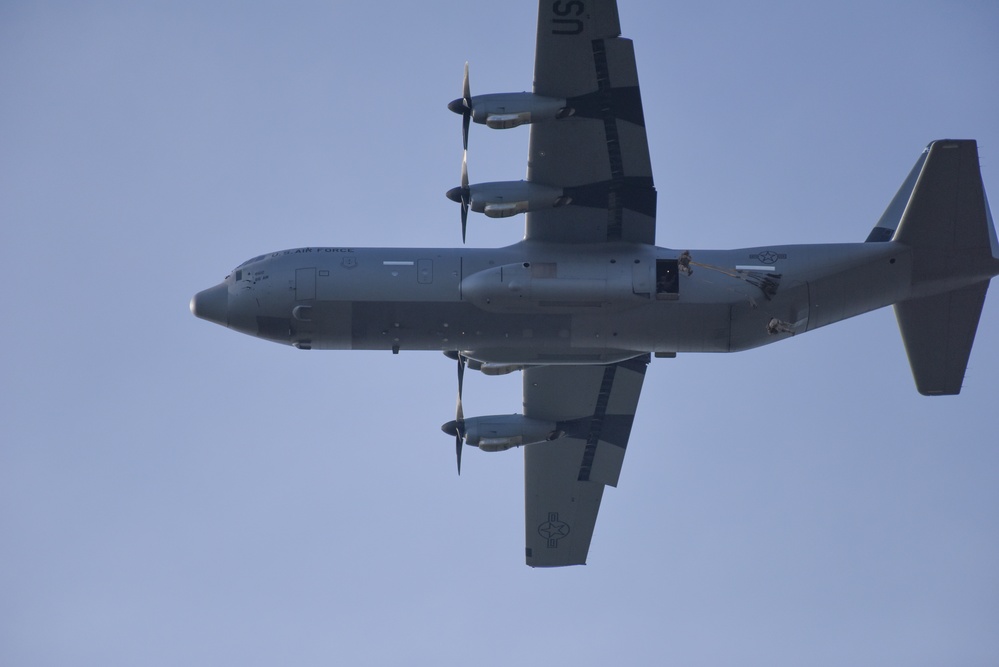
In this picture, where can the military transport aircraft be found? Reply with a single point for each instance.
(581, 304)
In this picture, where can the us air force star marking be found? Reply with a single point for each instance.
(768, 257)
(553, 530)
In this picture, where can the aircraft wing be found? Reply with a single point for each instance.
(599, 155)
(565, 478)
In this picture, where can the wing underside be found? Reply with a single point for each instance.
(564, 479)
(598, 155)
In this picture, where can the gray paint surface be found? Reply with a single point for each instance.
(154, 513)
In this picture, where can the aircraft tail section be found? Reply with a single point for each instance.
(941, 203)
(941, 212)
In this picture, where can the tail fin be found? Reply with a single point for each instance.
(942, 213)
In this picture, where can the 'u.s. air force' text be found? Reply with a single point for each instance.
(297, 251)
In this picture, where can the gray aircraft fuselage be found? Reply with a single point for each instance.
(534, 303)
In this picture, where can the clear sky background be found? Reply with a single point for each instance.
(173, 493)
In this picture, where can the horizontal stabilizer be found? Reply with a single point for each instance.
(938, 332)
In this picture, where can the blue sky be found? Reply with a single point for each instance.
(175, 493)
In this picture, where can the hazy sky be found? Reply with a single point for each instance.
(175, 493)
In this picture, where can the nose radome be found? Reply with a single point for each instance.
(212, 304)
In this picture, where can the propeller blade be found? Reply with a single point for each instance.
(464, 219)
(463, 106)
(459, 421)
(461, 378)
(466, 202)
(451, 428)
(466, 115)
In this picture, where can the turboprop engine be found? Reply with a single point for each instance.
(502, 199)
(505, 110)
(498, 433)
(501, 111)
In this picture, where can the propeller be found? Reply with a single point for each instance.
(463, 195)
(457, 427)
(463, 106)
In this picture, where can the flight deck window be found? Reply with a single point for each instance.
(667, 279)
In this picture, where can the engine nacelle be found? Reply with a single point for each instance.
(501, 199)
(505, 110)
(497, 433)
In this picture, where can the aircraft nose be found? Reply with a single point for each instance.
(212, 304)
